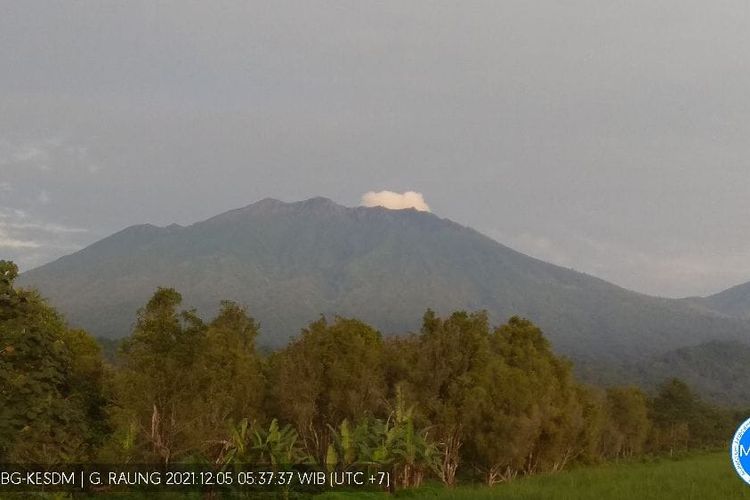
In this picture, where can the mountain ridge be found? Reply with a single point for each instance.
(290, 262)
(733, 302)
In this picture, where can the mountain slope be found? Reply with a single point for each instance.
(290, 262)
(733, 302)
(716, 370)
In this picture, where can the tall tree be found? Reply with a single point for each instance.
(332, 372)
(452, 354)
(230, 385)
(51, 382)
(524, 413)
(681, 420)
(629, 422)
(157, 383)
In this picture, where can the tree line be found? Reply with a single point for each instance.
(459, 400)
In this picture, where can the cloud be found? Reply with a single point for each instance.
(395, 201)
(31, 153)
(30, 241)
(46, 154)
(12, 213)
(656, 272)
(43, 198)
(44, 227)
(38, 154)
(7, 241)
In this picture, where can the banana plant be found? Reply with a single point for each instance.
(394, 444)
(349, 445)
(276, 446)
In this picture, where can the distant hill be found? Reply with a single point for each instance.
(717, 370)
(291, 262)
(733, 302)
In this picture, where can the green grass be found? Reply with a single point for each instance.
(698, 477)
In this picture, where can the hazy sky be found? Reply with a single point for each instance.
(610, 137)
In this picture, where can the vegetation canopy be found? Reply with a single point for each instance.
(459, 401)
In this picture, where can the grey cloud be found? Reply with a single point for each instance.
(7, 241)
(45, 227)
(31, 241)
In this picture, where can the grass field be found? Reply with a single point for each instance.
(696, 477)
(708, 476)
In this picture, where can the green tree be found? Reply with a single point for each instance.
(629, 423)
(524, 412)
(596, 419)
(332, 372)
(228, 371)
(157, 382)
(682, 421)
(51, 382)
(450, 359)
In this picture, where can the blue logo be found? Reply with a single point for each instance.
(741, 451)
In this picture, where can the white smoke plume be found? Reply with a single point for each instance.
(395, 201)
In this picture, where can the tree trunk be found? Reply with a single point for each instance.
(451, 458)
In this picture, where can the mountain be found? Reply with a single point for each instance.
(717, 370)
(291, 262)
(733, 302)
